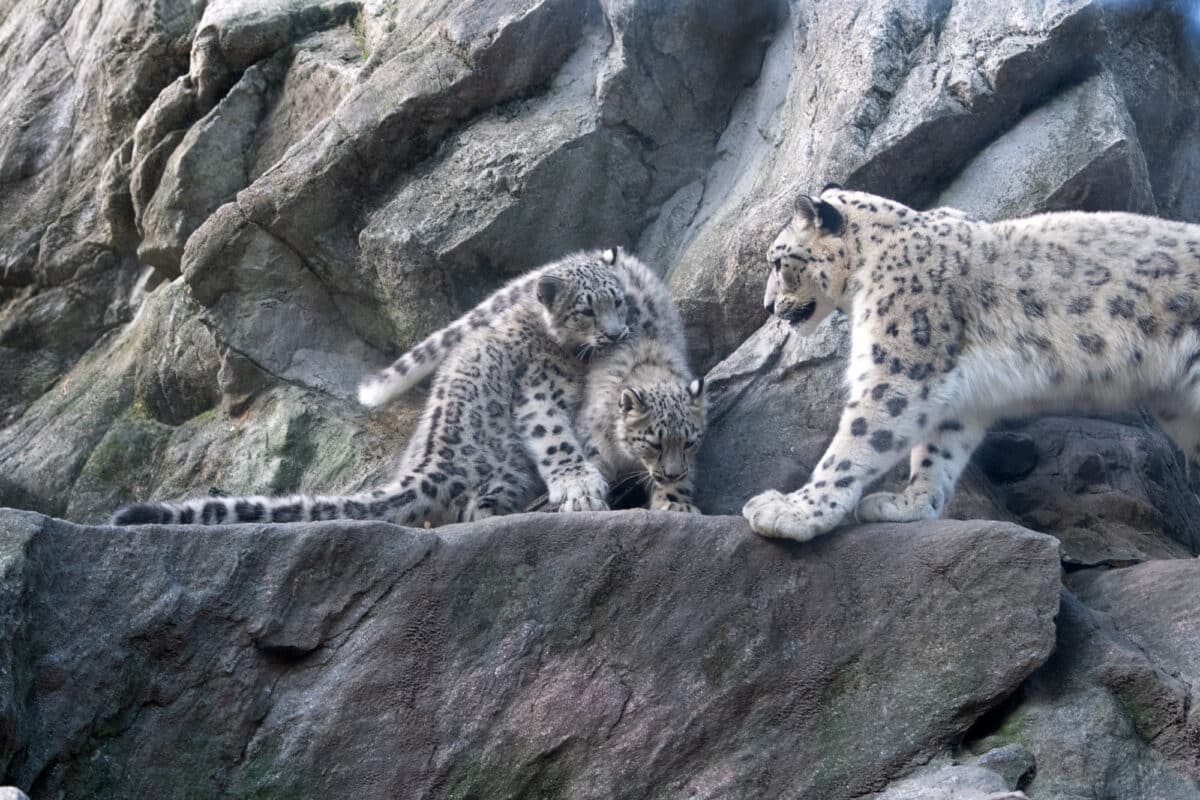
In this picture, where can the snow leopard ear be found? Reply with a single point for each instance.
(696, 388)
(549, 288)
(610, 256)
(632, 402)
(821, 215)
(805, 208)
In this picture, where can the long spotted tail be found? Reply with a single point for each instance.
(405, 505)
(423, 360)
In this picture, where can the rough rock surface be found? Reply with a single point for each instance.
(539, 655)
(215, 217)
(1113, 712)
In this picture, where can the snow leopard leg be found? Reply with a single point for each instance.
(673, 497)
(544, 420)
(934, 469)
(873, 434)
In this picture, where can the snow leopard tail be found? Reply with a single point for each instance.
(423, 360)
(404, 505)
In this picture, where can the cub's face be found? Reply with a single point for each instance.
(663, 426)
(584, 303)
(808, 266)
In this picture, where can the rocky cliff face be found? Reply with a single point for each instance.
(215, 216)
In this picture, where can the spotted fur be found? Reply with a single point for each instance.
(498, 428)
(643, 414)
(957, 322)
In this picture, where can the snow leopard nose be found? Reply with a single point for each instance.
(614, 332)
(673, 477)
(769, 306)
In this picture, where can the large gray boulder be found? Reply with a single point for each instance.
(618, 654)
(1113, 712)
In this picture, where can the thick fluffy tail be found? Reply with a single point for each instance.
(424, 359)
(393, 504)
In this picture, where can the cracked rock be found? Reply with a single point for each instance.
(601, 654)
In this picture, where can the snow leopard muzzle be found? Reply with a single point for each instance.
(801, 314)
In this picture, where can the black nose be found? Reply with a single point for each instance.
(770, 307)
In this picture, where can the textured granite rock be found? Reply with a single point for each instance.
(1113, 712)
(591, 655)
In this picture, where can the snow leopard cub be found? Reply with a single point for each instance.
(497, 429)
(643, 414)
(643, 418)
(422, 360)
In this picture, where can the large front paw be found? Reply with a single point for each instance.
(579, 494)
(777, 515)
(896, 507)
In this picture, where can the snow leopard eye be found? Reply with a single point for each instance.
(587, 312)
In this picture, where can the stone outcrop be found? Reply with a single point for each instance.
(579, 656)
(1113, 712)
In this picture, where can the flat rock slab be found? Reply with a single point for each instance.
(628, 654)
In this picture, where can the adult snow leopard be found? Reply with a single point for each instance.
(498, 427)
(957, 322)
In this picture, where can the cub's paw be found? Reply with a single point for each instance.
(779, 516)
(579, 494)
(677, 506)
(896, 507)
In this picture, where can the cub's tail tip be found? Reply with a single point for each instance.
(142, 514)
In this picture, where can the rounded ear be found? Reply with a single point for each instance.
(632, 401)
(829, 219)
(696, 388)
(805, 208)
(610, 255)
(548, 289)
(835, 186)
